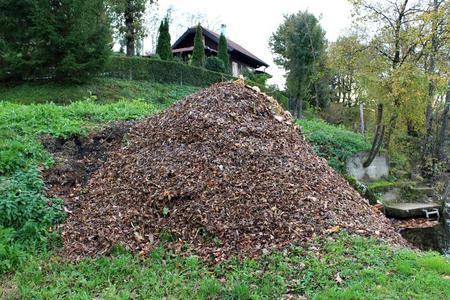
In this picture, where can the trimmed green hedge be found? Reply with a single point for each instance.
(140, 68)
(163, 71)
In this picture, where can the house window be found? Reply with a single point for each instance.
(235, 68)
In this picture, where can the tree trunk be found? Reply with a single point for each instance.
(316, 96)
(410, 128)
(442, 138)
(428, 138)
(299, 109)
(361, 119)
(130, 36)
(390, 131)
(377, 139)
(296, 107)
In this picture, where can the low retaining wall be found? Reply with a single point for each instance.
(378, 169)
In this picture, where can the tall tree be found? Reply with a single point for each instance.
(435, 49)
(223, 52)
(60, 40)
(163, 48)
(346, 58)
(18, 56)
(198, 54)
(128, 21)
(396, 29)
(443, 140)
(299, 47)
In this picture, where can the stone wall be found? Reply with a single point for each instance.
(378, 169)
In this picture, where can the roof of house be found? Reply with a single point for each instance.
(232, 46)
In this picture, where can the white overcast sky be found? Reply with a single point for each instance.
(250, 23)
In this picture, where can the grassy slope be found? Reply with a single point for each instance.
(21, 125)
(104, 89)
(333, 143)
(346, 267)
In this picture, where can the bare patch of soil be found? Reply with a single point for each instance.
(77, 157)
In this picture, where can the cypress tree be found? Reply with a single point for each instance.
(163, 47)
(159, 44)
(167, 45)
(223, 52)
(198, 54)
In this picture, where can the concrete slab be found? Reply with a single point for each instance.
(408, 210)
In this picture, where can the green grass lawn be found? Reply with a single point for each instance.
(341, 267)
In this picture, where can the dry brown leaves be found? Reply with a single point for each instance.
(415, 223)
(223, 172)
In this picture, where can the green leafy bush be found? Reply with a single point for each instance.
(11, 254)
(215, 64)
(23, 201)
(258, 77)
(17, 152)
(365, 190)
(333, 143)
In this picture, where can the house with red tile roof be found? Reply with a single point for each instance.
(240, 58)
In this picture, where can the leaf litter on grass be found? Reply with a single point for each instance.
(226, 172)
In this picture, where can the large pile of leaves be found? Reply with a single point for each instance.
(225, 172)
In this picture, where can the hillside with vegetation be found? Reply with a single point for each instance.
(131, 176)
(28, 216)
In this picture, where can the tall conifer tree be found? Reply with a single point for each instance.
(163, 48)
(198, 54)
(223, 52)
(65, 40)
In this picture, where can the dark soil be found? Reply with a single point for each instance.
(225, 172)
(77, 157)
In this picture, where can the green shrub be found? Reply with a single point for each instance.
(17, 152)
(11, 254)
(333, 143)
(23, 201)
(215, 64)
(139, 68)
(258, 77)
(365, 190)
